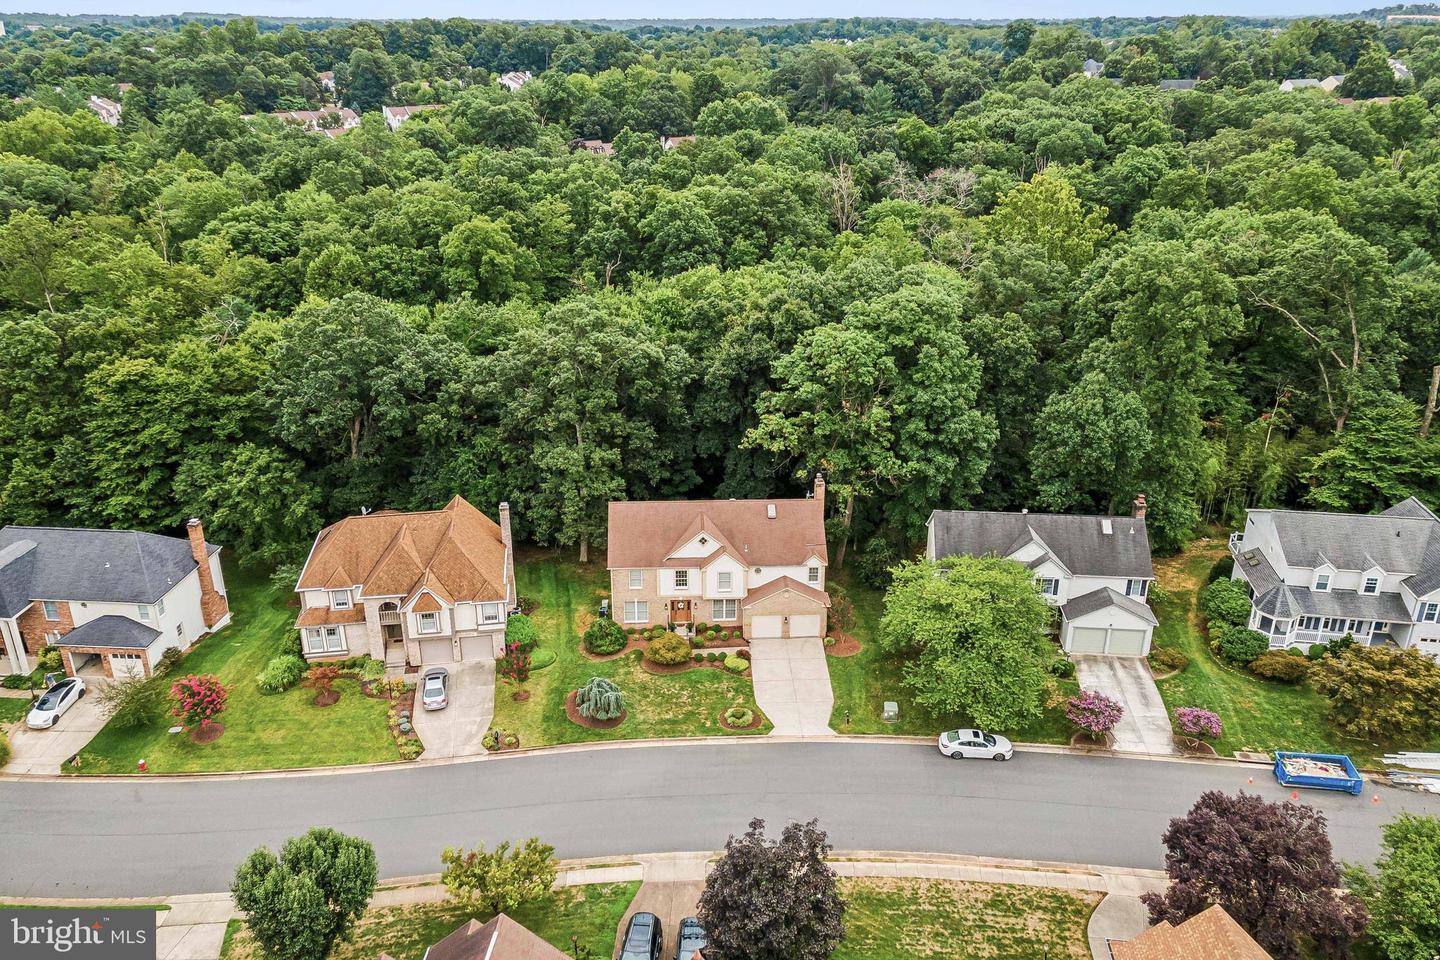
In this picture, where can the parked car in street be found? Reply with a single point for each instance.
(642, 938)
(53, 703)
(692, 938)
(961, 744)
(435, 689)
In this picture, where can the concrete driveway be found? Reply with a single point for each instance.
(45, 751)
(792, 685)
(1145, 727)
(457, 730)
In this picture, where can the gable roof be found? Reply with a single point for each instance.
(455, 552)
(77, 563)
(646, 533)
(1078, 543)
(781, 584)
(499, 939)
(111, 630)
(1106, 597)
(1398, 539)
(1209, 935)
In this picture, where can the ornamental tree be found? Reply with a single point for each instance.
(499, 880)
(1195, 723)
(1269, 865)
(773, 899)
(299, 904)
(515, 665)
(1404, 893)
(1379, 693)
(198, 699)
(1094, 713)
(321, 678)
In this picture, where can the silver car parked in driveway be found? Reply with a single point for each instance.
(960, 744)
(435, 689)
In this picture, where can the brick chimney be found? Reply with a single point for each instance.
(508, 540)
(820, 488)
(1140, 507)
(213, 605)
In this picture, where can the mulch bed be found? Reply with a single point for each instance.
(1198, 748)
(520, 696)
(207, 733)
(326, 698)
(660, 669)
(844, 646)
(632, 645)
(1085, 740)
(749, 726)
(574, 715)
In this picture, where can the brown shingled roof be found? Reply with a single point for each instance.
(1211, 935)
(772, 587)
(325, 617)
(500, 939)
(644, 533)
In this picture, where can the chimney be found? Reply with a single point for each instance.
(510, 594)
(213, 606)
(1140, 507)
(820, 488)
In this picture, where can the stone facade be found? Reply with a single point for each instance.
(34, 626)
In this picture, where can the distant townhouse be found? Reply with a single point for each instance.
(754, 564)
(332, 121)
(1095, 569)
(113, 601)
(1332, 83)
(1314, 576)
(326, 79)
(670, 143)
(431, 586)
(395, 116)
(601, 148)
(106, 109)
(514, 80)
(1301, 83)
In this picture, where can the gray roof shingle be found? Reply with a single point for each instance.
(111, 630)
(76, 563)
(1288, 601)
(1106, 597)
(1349, 541)
(1078, 542)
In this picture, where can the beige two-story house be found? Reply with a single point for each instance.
(428, 587)
(758, 565)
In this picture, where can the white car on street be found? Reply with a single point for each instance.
(978, 744)
(54, 702)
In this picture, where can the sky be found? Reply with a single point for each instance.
(683, 9)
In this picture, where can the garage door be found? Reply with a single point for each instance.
(766, 626)
(436, 651)
(1087, 639)
(477, 648)
(1127, 643)
(126, 666)
(805, 626)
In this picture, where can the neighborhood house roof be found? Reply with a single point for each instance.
(456, 553)
(111, 630)
(647, 533)
(1079, 543)
(76, 563)
(499, 939)
(1397, 540)
(1103, 598)
(1209, 935)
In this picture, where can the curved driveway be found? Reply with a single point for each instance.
(156, 837)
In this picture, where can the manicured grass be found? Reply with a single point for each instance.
(262, 730)
(13, 709)
(864, 682)
(901, 919)
(1256, 714)
(591, 913)
(677, 705)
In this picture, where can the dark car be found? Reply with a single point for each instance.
(692, 938)
(642, 938)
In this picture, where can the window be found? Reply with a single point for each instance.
(812, 574)
(1372, 585)
(314, 641)
(180, 630)
(1281, 628)
(682, 579)
(723, 609)
(1322, 582)
(1429, 612)
(637, 579)
(1266, 624)
(144, 612)
(334, 640)
(1049, 586)
(1309, 623)
(637, 611)
(339, 599)
(1334, 625)
(490, 613)
(1136, 588)
(160, 607)
(429, 622)
(52, 609)
(723, 581)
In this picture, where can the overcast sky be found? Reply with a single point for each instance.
(681, 9)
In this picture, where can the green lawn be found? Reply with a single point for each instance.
(864, 682)
(262, 730)
(678, 705)
(900, 919)
(592, 913)
(13, 709)
(1256, 714)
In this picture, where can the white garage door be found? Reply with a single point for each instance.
(807, 625)
(1087, 639)
(1127, 643)
(125, 666)
(477, 648)
(436, 651)
(766, 626)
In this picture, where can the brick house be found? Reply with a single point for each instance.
(430, 586)
(755, 564)
(113, 601)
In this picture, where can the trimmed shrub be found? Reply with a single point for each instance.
(668, 649)
(604, 637)
(702, 628)
(743, 654)
(1241, 646)
(520, 632)
(600, 699)
(1062, 667)
(372, 670)
(50, 660)
(697, 657)
(283, 672)
(736, 664)
(1168, 658)
(1295, 651)
(712, 656)
(169, 660)
(1221, 568)
(739, 717)
(1225, 602)
(198, 699)
(4, 751)
(1279, 665)
(1317, 650)
(1195, 723)
(1340, 644)
(541, 659)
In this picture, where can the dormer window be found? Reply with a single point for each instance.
(1371, 585)
(339, 599)
(1322, 583)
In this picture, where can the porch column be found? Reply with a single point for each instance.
(14, 646)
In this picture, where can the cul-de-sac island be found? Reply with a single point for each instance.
(771, 489)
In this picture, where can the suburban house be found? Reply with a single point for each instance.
(113, 601)
(106, 109)
(514, 79)
(670, 143)
(1211, 934)
(499, 939)
(1301, 83)
(1092, 68)
(394, 116)
(329, 120)
(326, 79)
(601, 148)
(1313, 576)
(754, 564)
(1096, 570)
(433, 586)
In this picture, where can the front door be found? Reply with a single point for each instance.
(680, 611)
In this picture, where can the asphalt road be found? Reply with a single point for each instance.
(158, 837)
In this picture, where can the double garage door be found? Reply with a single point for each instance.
(1123, 643)
(770, 626)
(441, 650)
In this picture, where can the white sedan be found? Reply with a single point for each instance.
(975, 743)
(54, 702)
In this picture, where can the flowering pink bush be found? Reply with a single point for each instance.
(1094, 713)
(198, 698)
(1195, 722)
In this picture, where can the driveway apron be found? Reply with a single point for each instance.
(457, 730)
(45, 751)
(1145, 725)
(792, 685)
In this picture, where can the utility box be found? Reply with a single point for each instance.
(891, 712)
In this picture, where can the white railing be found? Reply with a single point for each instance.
(389, 616)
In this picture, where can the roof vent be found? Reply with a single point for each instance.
(1105, 526)
(770, 510)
